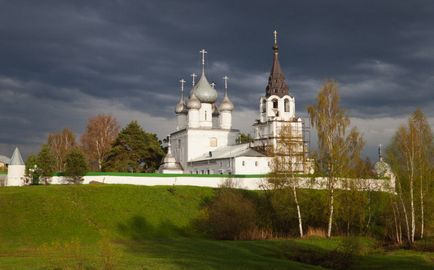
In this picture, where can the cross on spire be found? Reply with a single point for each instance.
(275, 37)
(194, 75)
(169, 148)
(225, 78)
(203, 52)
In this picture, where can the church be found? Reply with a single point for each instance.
(205, 142)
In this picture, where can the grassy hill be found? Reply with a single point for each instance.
(135, 227)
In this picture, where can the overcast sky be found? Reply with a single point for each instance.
(64, 61)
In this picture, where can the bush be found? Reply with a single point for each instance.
(76, 166)
(231, 216)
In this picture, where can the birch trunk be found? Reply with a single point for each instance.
(422, 222)
(300, 222)
(329, 230)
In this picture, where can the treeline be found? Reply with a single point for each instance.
(285, 209)
(102, 147)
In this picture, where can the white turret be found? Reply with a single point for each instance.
(16, 170)
(226, 108)
(170, 165)
(181, 110)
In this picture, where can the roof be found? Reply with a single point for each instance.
(16, 158)
(5, 159)
(239, 150)
(276, 81)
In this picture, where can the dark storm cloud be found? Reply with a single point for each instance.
(63, 61)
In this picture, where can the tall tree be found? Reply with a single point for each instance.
(336, 148)
(411, 156)
(60, 143)
(96, 141)
(286, 158)
(134, 150)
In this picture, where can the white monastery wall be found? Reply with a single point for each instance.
(250, 183)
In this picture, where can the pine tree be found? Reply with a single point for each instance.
(134, 150)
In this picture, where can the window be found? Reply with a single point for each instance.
(244, 163)
(286, 105)
(275, 104)
(205, 115)
(256, 163)
(264, 105)
(213, 142)
(208, 171)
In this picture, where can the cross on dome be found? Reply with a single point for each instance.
(182, 81)
(225, 78)
(203, 52)
(194, 75)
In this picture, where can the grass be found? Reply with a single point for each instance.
(43, 227)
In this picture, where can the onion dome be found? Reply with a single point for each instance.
(181, 107)
(226, 104)
(193, 102)
(215, 110)
(204, 91)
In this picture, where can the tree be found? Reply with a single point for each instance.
(32, 173)
(411, 156)
(96, 141)
(134, 150)
(75, 165)
(60, 143)
(336, 149)
(245, 138)
(286, 158)
(46, 163)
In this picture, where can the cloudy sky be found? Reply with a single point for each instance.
(64, 61)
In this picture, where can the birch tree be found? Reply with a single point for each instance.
(287, 157)
(411, 156)
(60, 143)
(336, 148)
(96, 141)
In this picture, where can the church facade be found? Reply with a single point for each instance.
(205, 141)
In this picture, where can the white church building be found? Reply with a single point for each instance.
(205, 141)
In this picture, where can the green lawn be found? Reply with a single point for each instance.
(44, 227)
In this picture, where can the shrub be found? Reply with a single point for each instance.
(231, 216)
(76, 166)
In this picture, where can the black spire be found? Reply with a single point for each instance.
(276, 81)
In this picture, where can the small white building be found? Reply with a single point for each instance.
(205, 141)
(16, 170)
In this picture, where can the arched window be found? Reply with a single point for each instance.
(286, 105)
(275, 104)
(264, 105)
(205, 115)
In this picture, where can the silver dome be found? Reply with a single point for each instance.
(226, 104)
(181, 107)
(204, 91)
(194, 102)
